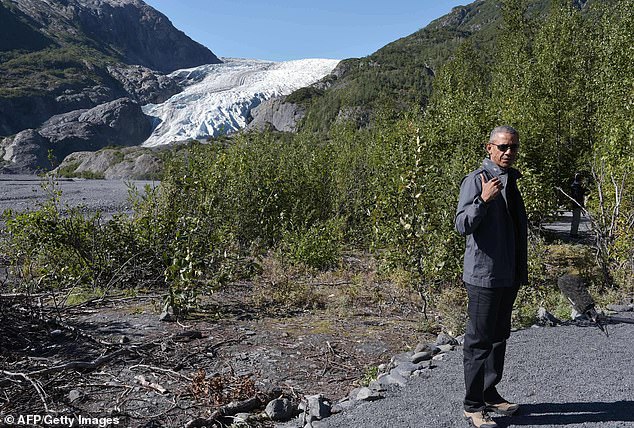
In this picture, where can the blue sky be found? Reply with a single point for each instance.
(281, 30)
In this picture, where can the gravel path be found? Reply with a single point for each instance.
(568, 376)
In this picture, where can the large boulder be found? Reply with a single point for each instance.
(133, 163)
(276, 114)
(25, 153)
(116, 123)
(24, 112)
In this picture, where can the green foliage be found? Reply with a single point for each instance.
(56, 246)
(52, 69)
(281, 284)
(403, 71)
(565, 81)
(318, 247)
(303, 95)
(611, 202)
(413, 206)
(70, 171)
(163, 244)
(451, 303)
(612, 212)
(370, 374)
(173, 223)
(457, 120)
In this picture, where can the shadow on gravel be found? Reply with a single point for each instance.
(569, 413)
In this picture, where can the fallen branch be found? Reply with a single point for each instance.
(79, 332)
(153, 368)
(103, 300)
(82, 365)
(150, 385)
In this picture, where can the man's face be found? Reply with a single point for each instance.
(503, 149)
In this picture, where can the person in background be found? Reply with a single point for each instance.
(577, 191)
(492, 216)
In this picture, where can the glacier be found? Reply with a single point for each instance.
(217, 98)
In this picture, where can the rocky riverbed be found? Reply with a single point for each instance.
(22, 192)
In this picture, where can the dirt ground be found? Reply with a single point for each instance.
(114, 358)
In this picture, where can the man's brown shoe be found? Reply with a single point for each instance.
(479, 419)
(503, 408)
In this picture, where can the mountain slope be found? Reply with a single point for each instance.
(400, 74)
(61, 55)
(128, 30)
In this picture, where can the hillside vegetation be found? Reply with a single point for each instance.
(565, 82)
(33, 63)
(401, 73)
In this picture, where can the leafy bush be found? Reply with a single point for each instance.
(56, 246)
(318, 247)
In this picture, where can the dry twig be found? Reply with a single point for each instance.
(36, 385)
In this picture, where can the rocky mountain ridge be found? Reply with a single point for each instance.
(61, 56)
(129, 30)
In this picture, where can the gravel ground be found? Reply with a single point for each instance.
(20, 192)
(568, 376)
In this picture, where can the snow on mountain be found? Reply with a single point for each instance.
(219, 97)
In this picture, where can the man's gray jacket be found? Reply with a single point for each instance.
(496, 252)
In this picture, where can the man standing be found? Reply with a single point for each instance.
(577, 192)
(492, 216)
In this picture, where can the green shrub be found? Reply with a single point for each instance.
(318, 246)
(69, 169)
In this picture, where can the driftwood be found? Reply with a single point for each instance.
(150, 385)
(36, 385)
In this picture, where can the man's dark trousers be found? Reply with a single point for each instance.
(488, 328)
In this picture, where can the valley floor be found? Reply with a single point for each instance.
(22, 192)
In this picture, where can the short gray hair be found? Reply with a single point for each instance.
(504, 129)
